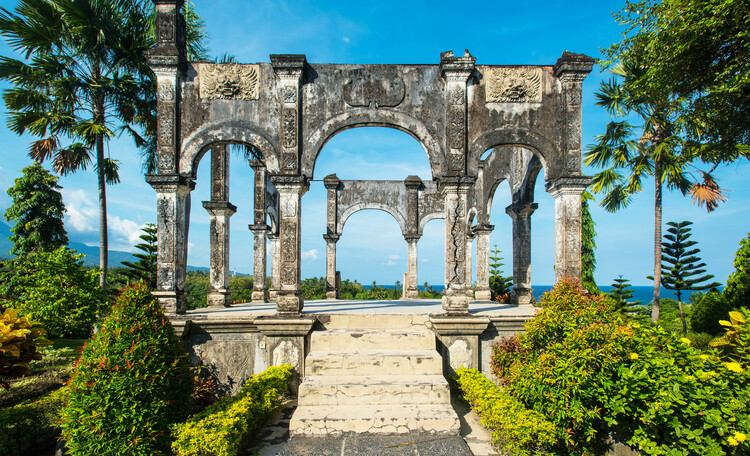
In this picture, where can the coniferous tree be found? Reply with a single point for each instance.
(145, 268)
(37, 211)
(499, 285)
(621, 292)
(681, 266)
(588, 245)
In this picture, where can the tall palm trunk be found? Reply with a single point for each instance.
(101, 181)
(657, 241)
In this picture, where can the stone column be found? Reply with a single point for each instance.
(332, 288)
(219, 213)
(469, 289)
(482, 233)
(173, 222)
(567, 193)
(411, 287)
(521, 215)
(455, 191)
(259, 262)
(571, 69)
(275, 266)
(291, 188)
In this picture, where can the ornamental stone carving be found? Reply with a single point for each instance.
(289, 127)
(289, 94)
(229, 81)
(513, 85)
(362, 89)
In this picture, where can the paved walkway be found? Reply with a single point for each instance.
(474, 440)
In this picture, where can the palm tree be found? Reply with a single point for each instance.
(83, 80)
(629, 158)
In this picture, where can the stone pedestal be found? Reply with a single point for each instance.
(521, 215)
(482, 234)
(567, 193)
(332, 289)
(259, 262)
(411, 288)
(459, 340)
(285, 342)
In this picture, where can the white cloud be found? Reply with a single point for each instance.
(425, 260)
(82, 213)
(346, 39)
(311, 255)
(394, 257)
(125, 233)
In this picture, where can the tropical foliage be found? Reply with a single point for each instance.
(737, 291)
(19, 340)
(621, 294)
(500, 286)
(588, 245)
(145, 268)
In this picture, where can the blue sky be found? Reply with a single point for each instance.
(371, 247)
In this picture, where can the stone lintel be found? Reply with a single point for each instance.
(168, 182)
(412, 182)
(288, 65)
(573, 66)
(263, 228)
(521, 210)
(216, 326)
(219, 207)
(331, 181)
(571, 185)
(275, 325)
(483, 229)
(331, 237)
(456, 68)
(449, 325)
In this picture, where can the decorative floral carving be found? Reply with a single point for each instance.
(456, 95)
(229, 81)
(513, 85)
(289, 94)
(456, 128)
(289, 127)
(362, 89)
(166, 126)
(288, 274)
(166, 161)
(166, 90)
(290, 162)
(166, 27)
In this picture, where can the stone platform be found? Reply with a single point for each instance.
(361, 367)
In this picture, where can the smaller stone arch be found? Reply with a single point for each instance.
(424, 219)
(539, 145)
(364, 117)
(348, 212)
(201, 140)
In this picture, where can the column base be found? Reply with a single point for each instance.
(411, 294)
(272, 295)
(483, 295)
(522, 297)
(455, 302)
(173, 302)
(258, 296)
(332, 294)
(470, 294)
(289, 304)
(220, 297)
(459, 340)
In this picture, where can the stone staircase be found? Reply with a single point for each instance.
(373, 374)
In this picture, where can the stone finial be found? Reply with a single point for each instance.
(170, 49)
(413, 182)
(452, 67)
(288, 65)
(331, 181)
(571, 65)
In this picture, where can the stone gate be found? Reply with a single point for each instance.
(529, 117)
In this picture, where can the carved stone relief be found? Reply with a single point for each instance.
(459, 354)
(166, 27)
(166, 161)
(166, 90)
(230, 362)
(166, 126)
(289, 95)
(362, 89)
(456, 128)
(229, 81)
(286, 353)
(288, 241)
(289, 127)
(513, 85)
(456, 95)
(288, 274)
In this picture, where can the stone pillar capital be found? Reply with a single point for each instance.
(272, 236)
(260, 229)
(483, 229)
(297, 183)
(412, 237)
(413, 182)
(288, 66)
(219, 208)
(332, 238)
(456, 184)
(170, 183)
(571, 185)
(331, 182)
(521, 210)
(456, 68)
(573, 67)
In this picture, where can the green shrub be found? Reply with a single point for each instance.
(132, 382)
(30, 425)
(504, 353)
(708, 311)
(737, 290)
(572, 350)
(19, 340)
(514, 429)
(674, 399)
(223, 428)
(54, 289)
(736, 341)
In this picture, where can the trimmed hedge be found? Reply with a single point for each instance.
(515, 429)
(223, 429)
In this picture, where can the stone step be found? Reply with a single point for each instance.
(374, 390)
(374, 362)
(374, 419)
(374, 321)
(372, 339)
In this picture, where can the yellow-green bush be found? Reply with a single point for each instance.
(515, 429)
(223, 428)
(19, 339)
